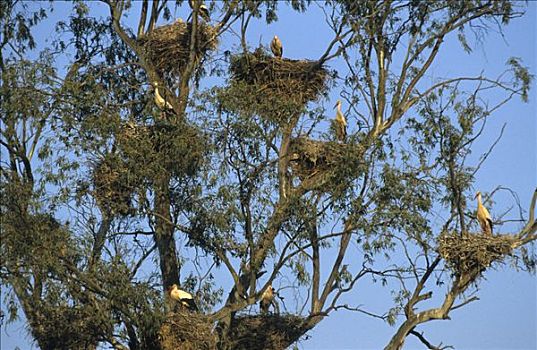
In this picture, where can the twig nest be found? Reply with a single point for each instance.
(66, 327)
(168, 46)
(113, 185)
(473, 252)
(308, 156)
(317, 162)
(187, 331)
(265, 331)
(150, 149)
(39, 243)
(274, 88)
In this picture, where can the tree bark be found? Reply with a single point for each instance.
(164, 230)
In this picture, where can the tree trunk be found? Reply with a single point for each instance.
(164, 230)
(397, 341)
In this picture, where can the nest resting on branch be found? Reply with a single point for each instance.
(473, 252)
(266, 331)
(62, 327)
(276, 85)
(187, 331)
(168, 46)
(314, 162)
(113, 184)
(308, 156)
(151, 149)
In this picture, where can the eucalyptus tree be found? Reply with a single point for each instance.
(109, 196)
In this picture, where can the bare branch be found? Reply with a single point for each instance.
(427, 343)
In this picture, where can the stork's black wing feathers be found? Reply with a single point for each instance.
(190, 304)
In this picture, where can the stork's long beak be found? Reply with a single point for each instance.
(477, 194)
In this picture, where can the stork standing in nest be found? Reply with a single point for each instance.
(267, 299)
(340, 124)
(185, 299)
(276, 47)
(483, 216)
(159, 100)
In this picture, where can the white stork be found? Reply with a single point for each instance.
(483, 216)
(202, 10)
(266, 299)
(340, 123)
(184, 298)
(276, 47)
(159, 100)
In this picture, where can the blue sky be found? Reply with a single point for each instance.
(505, 317)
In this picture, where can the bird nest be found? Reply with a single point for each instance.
(276, 87)
(308, 157)
(113, 185)
(473, 252)
(314, 161)
(265, 331)
(168, 46)
(187, 331)
(151, 149)
(62, 327)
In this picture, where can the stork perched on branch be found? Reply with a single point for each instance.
(276, 47)
(184, 298)
(483, 216)
(340, 124)
(159, 100)
(202, 10)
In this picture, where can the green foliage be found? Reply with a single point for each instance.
(522, 78)
(248, 173)
(17, 22)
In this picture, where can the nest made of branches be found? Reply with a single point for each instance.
(187, 331)
(308, 156)
(63, 327)
(473, 252)
(272, 86)
(266, 331)
(168, 46)
(179, 149)
(113, 185)
(315, 162)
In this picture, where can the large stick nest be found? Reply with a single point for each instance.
(272, 86)
(308, 156)
(266, 331)
(168, 46)
(151, 149)
(62, 327)
(315, 162)
(113, 185)
(187, 331)
(473, 252)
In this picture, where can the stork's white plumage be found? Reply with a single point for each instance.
(341, 123)
(276, 47)
(159, 100)
(182, 297)
(266, 299)
(203, 10)
(483, 216)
